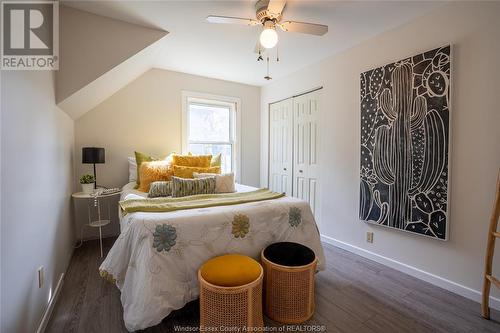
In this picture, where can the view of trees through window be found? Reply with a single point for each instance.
(211, 132)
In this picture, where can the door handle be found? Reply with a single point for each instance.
(300, 171)
(284, 169)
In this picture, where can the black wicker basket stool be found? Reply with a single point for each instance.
(288, 282)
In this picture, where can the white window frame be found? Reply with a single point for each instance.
(235, 105)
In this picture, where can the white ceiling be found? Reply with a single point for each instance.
(226, 51)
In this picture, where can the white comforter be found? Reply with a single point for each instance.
(155, 260)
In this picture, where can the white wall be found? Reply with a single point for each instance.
(473, 28)
(36, 185)
(146, 116)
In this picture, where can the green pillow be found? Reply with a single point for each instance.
(216, 160)
(139, 158)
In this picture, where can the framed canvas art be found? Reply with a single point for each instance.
(405, 135)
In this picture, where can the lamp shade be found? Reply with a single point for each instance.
(93, 155)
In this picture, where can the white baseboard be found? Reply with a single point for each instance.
(50, 307)
(439, 281)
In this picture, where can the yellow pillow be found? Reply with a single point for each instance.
(216, 160)
(199, 161)
(187, 172)
(231, 270)
(152, 172)
(139, 159)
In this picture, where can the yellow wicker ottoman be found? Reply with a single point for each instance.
(230, 294)
(289, 282)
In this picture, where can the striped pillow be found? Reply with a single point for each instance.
(182, 187)
(223, 183)
(160, 189)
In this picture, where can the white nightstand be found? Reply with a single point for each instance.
(93, 202)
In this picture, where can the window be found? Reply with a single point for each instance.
(210, 127)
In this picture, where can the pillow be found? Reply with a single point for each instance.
(187, 172)
(132, 169)
(182, 187)
(223, 183)
(216, 160)
(200, 161)
(170, 157)
(154, 171)
(139, 159)
(160, 189)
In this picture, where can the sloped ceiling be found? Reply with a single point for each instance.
(98, 56)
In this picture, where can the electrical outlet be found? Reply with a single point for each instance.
(40, 277)
(369, 237)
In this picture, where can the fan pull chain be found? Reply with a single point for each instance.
(277, 54)
(267, 77)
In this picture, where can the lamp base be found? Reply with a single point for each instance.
(95, 179)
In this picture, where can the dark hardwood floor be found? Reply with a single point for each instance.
(353, 294)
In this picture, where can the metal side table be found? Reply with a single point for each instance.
(94, 202)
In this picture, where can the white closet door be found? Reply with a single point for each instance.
(305, 148)
(280, 139)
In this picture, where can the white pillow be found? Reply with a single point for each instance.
(223, 183)
(132, 169)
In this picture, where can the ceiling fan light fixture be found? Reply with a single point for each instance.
(268, 37)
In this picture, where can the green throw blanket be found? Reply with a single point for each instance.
(196, 201)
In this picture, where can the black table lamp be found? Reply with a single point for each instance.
(93, 155)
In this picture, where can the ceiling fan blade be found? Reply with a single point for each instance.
(276, 6)
(231, 20)
(305, 28)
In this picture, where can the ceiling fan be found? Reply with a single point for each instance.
(269, 14)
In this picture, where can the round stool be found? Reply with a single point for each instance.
(289, 282)
(230, 293)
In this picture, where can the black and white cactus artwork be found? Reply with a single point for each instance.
(405, 109)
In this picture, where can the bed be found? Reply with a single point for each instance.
(154, 261)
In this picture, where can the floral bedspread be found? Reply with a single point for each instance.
(155, 260)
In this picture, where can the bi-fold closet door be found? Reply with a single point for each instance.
(280, 146)
(294, 147)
